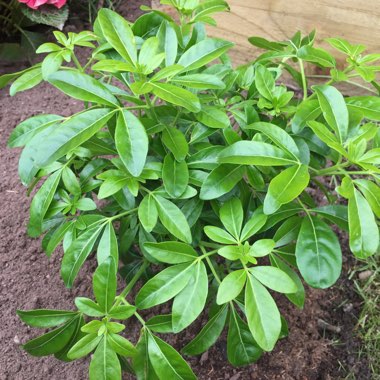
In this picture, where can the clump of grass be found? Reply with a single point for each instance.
(367, 283)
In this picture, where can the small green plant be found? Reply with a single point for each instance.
(203, 174)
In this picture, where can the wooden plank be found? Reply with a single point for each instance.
(357, 21)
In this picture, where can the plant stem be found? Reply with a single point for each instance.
(304, 85)
(209, 262)
(77, 63)
(122, 214)
(132, 283)
(138, 316)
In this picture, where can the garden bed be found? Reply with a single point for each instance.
(311, 351)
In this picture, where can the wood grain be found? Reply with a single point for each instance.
(355, 20)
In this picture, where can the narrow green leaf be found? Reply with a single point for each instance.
(118, 34)
(173, 219)
(83, 87)
(45, 318)
(203, 52)
(285, 187)
(334, 109)
(105, 364)
(190, 302)
(231, 286)
(274, 278)
(262, 314)
(175, 176)
(255, 153)
(218, 183)
(176, 95)
(171, 252)
(41, 203)
(166, 361)
(241, 347)
(208, 335)
(164, 286)
(84, 346)
(231, 215)
(148, 213)
(105, 283)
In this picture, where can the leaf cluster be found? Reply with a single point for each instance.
(197, 178)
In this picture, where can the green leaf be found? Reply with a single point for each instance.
(121, 345)
(41, 203)
(208, 335)
(105, 283)
(334, 109)
(168, 42)
(231, 215)
(56, 141)
(369, 106)
(281, 138)
(262, 314)
(274, 278)
(164, 286)
(264, 81)
(45, 318)
(176, 142)
(171, 252)
(105, 364)
(319, 56)
(218, 183)
(297, 298)
(108, 246)
(363, 229)
(213, 117)
(285, 187)
(26, 130)
(265, 44)
(372, 194)
(173, 219)
(77, 254)
(176, 95)
(84, 346)
(318, 253)
(190, 302)
(175, 176)
(160, 323)
(231, 286)
(51, 64)
(241, 347)
(122, 312)
(262, 247)
(199, 81)
(166, 361)
(140, 362)
(89, 307)
(323, 133)
(203, 52)
(254, 224)
(52, 342)
(219, 235)
(306, 111)
(148, 213)
(26, 81)
(150, 57)
(118, 34)
(255, 153)
(131, 142)
(83, 87)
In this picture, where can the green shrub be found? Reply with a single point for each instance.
(203, 171)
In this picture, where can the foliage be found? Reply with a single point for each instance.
(204, 174)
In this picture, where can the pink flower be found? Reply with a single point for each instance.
(34, 4)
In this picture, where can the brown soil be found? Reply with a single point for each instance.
(30, 280)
